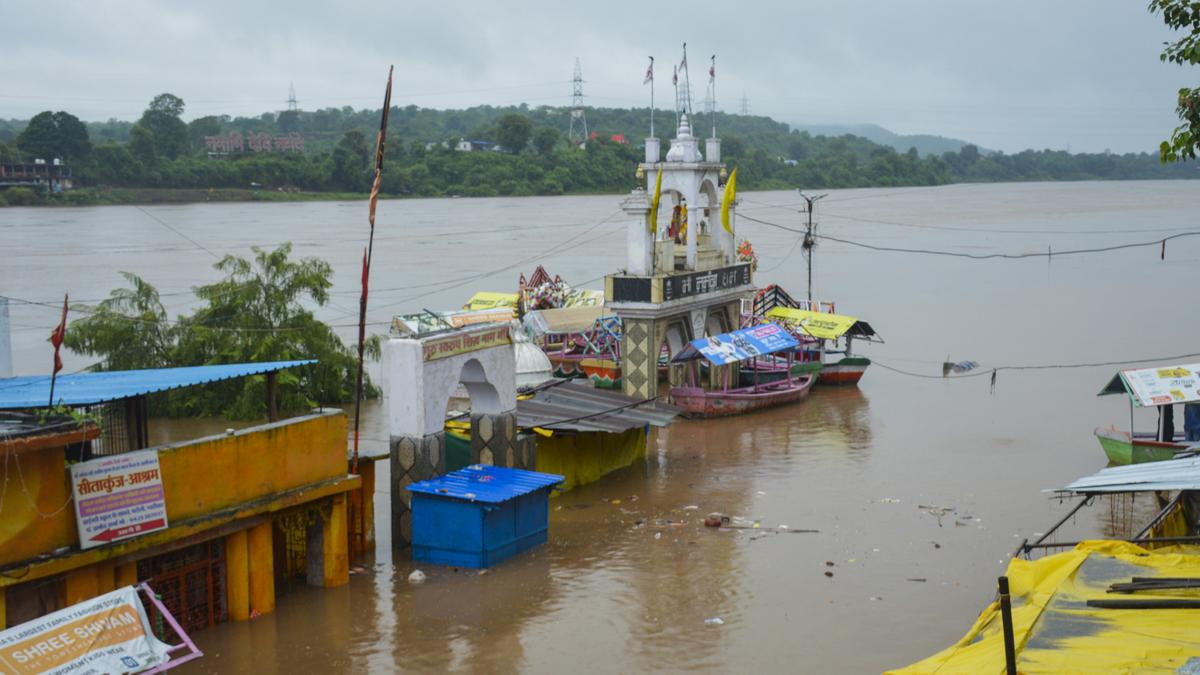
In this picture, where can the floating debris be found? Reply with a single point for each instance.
(918, 579)
(715, 621)
(889, 500)
(417, 577)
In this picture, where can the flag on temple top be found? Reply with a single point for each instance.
(712, 69)
(56, 337)
(649, 72)
(675, 76)
(727, 201)
(683, 63)
(654, 203)
(379, 143)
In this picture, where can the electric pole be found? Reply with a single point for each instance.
(810, 241)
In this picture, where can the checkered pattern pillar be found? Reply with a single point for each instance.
(413, 459)
(639, 352)
(494, 440)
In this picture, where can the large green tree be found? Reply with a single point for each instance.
(259, 311)
(55, 134)
(350, 162)
(513, 132)
(1182, 15)
(163, 132)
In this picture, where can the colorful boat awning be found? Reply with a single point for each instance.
(817, 324)
(739, 345)
(1162, 385)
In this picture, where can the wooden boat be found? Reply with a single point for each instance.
(767, 370)
(724, 353)
(1122, 449)
(604, 373)
(697, 402)
(847, 370)
(1155, 387)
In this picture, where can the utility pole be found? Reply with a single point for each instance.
(578, 133)
(810, 241)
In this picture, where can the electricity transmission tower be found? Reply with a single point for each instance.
(293, 104)
(745, 104)
(578, 133)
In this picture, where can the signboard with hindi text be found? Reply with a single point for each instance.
(118, 497)
(1163, 385)
(107, 634)
(441, 347)
(822, 325)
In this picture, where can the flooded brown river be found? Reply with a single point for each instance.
(610, 595)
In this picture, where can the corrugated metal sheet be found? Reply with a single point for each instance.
(33, 391)
(1175, 474)
(488, 484)
(590, 409)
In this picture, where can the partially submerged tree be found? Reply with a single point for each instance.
(259, 312)
(52, 135)
(1182, 15)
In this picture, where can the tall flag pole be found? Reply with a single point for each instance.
(687, 79)
(380, 141)
(56, 339)
(712, 83)
(650, 79)
(675, 83)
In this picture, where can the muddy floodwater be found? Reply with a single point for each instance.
(630, 575)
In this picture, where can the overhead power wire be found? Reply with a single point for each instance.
(985, 370)
(977, 256)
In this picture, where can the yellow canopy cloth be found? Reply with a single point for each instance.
(817, 324)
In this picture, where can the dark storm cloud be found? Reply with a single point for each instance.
(1005, 75)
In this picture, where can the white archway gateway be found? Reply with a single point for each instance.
(420, 376)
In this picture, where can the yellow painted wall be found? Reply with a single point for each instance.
(586, 457)
(199, 477)
(24, 532)
(212, 474)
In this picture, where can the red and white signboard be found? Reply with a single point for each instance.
(1163, 386)
(118, 497)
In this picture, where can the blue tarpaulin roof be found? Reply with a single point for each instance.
(739, 345)
(488, 484)
(33, 391)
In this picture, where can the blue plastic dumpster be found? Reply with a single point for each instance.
(480, 515)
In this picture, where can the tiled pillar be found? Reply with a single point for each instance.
(413, 459)
(494, 441)
(639, 364)
(237, 576)
(261, 561)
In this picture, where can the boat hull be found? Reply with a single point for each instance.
(603, 373)
(1121, 449)
(696, 402)
(847, 371)
(769, 374)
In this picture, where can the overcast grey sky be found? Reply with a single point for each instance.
(1006, 75)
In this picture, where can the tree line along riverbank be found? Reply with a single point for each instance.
(517, 151)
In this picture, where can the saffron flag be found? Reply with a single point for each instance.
(727, 200)
(649, 72)
(56, 337)
(379, 143)
(683, 221)
(654, 203)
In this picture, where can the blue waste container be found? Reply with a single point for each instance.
(480, 515)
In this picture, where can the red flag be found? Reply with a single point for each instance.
(56, 337)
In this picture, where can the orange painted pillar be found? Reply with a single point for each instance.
(261, 563)
(367, 470)
(237, 575)
(81, 584)
(126, 575)
(334, 555)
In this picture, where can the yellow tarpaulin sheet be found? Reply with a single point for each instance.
(1056, 632)
(817, 324)
(490, 300)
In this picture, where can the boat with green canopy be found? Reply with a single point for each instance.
(1158, 387)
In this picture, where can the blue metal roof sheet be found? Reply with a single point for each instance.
(33, 391)
(739, 345)
(487, 484)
